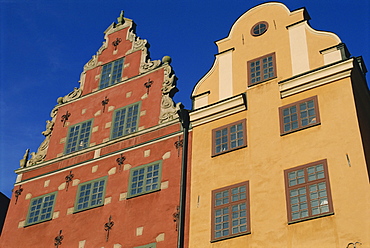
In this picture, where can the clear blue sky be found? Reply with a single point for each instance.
(45, 44)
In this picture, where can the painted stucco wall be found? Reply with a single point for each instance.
(268, 153)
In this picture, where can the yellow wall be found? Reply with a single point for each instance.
(268, 153)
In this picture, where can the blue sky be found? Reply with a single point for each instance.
(45, 44)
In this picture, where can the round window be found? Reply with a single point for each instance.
(259, 28)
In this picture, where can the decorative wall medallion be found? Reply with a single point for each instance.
(120, 161)
(58, 239)
(65, 117)
(116, 43)
(104, 102)
(179, 144)
(17, 193)
(176, 216)
(147, 85)
(108, 226)
(68, 179)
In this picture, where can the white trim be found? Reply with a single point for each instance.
(225, 75)
(253, 9)
(218, 110)
(316, 78)
(96, 147)
(198, 84)
(298, 48)
(97, 160)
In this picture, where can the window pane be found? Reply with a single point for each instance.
(41, 209)
(125, 120)
(232, 217)
(78, 137)
(111, 73)
(91, 194)
(145, 178)
(311, 198)
(228, 138)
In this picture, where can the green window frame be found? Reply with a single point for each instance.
(125, 120)
(145, 179)
(90, 194)
(41, 208)
(152, 245)
(78, 136)
(111, 73)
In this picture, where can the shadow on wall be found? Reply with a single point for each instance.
(4, 203)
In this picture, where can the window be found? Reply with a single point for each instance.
(299, 115)
(125, 120)
(41, 208)
(228, 137)
(308, 191)
(259, 28)
(90, 194)
(111, 73)
(145, 179)
(152, 245)
(261, 69)
(230, 211)
(78, 136)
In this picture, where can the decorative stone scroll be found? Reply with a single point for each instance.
(39, 156)
(168, 107)
(76, 93)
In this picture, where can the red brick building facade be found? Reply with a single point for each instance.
(108, 172)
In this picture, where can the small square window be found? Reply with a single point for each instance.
(111, 73)
(299, 115)
(308, 191)
(230, 211)
(90, 194)
(145, 179)
(228, 137)
(261, 69)
(78, 137)
(41, 208)
(125, 120)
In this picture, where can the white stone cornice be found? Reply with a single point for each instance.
(315, 78)
(99, 146)
(114, 154)
(218, 110)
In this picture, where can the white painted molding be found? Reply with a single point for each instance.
(218, 110)
(316, 78)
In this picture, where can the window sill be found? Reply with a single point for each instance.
(231, 150)
(146, 193)
(85, 209)
(32, 224)
(254, 84)
(299, 129)
(230, 237)
(311, 218)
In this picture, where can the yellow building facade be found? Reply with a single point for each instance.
(281, 138)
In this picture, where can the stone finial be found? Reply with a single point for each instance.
(23, 162)
(166, 59)
(121, 19)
